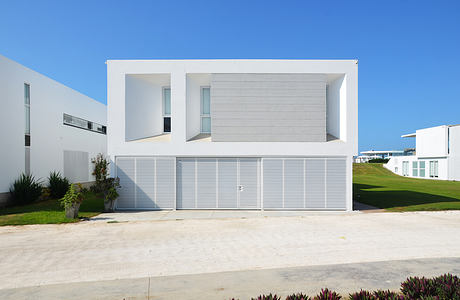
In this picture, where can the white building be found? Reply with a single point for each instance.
(46, 126)
(233, 134)
(437, 154)
(366, 156)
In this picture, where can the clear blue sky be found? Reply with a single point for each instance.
(408, 51)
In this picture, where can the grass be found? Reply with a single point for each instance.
(374, 185)
(49, 212)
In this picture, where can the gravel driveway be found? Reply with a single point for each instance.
(91, 251)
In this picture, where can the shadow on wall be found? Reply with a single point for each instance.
(364, 193)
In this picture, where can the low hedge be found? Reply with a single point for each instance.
(444, 287)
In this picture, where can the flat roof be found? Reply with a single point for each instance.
(381, 151)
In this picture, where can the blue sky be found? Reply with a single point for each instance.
(408, 51)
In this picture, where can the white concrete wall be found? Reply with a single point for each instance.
(144, 105)
(397, 162)
(49, 137)
(178, 146)
(431, 142)
(454, 153)
(193, 102)
(335, 97)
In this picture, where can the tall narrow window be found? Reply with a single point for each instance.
(205, 110)
(415, 168)
(166, 109)
(421, 170)
(405, 168)
(434, 168)
(27, 113)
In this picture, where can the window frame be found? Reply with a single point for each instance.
(434, 166)
(420, 169)
(415, 169)
(203, 115)
(163, 106)
(27, 108)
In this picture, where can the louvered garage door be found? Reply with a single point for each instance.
(212, 183)
(146, 182)
(304, 183)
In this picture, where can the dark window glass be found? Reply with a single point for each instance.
(104, 129)
(27, 140)
(90, 125)
(167, 124)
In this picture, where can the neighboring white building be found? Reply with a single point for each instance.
(233, 134)
(41, 127)
(437, 154)
(366, 156)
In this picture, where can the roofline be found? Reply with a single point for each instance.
(234, 59)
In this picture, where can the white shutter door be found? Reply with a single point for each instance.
(249, 183)
(315, 183)
(165, 183)
(227, 183)
(206, 183)
(145, 181)
(186, 183)
(294, 183)
(336, 183)
(273, 183)
(125, 171)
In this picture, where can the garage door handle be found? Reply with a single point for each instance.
(240, 188)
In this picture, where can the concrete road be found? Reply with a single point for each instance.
(342, 278)
(100, 251)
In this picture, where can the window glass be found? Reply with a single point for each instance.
(27, 116)
(167, 101)
(422, 169)
(414, 168)
(26, 93)
(206, 101)
(206, 124)
(167, 124)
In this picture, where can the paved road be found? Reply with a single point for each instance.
(97, 250)
(344, 278)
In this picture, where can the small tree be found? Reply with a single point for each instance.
(104, 184)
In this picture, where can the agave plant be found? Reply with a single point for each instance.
(25, 189)
(326, 294)
(58, 185)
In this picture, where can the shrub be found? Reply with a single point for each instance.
(326, 294)
(72, 196)
(447, 286)
(58, 185)
(388, 295)
(25, 189)
(100, 172)
(362, 295)
(298, 296)
(416, 288)
(267, 297)
(378, 160)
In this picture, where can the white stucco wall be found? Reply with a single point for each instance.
(397, 161)
(431, 142)
(454, 153)
(193, 102)
(336, 106)
(49, 137)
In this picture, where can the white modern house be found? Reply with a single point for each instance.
(366, 156)
(233, 134)
(437, 154)
(46, 126)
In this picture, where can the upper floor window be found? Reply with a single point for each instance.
(27, 113)
(166, 109)
(205, 110)
(84, 124)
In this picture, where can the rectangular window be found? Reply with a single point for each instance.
(166, 109)
(27, 113)
(415, 168)
(83, 124)
(421, 169)
(205, 110)
(434, 168)
(405, 168)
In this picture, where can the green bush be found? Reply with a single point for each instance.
(379, 160)
(58, 185)
(362, 295)
(388, 295)
(72, 196)
(267, 297)
(25, 189)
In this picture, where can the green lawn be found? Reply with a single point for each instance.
(49, 212)
(377, 186)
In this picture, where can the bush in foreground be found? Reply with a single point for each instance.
(58, 185)
(25, 189)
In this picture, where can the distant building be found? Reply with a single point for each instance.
(437, 154)
(366, 156)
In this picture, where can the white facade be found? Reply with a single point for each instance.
(282, 133)
(437, 154)
(53, 145)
